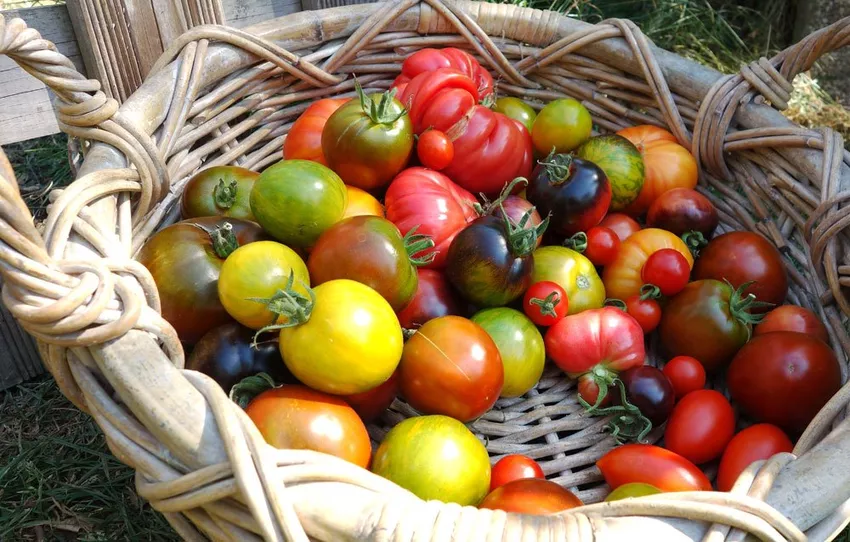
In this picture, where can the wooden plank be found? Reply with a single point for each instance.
(324, 4)
(19, 357)
(242, 13)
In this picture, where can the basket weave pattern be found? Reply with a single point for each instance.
(224, 96)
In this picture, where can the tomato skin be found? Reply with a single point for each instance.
(219, 191)
(451, 366)
(370, 404)
(537, 302)
(653, 465)
(361, 203)
(649, 389)
(516, 207)
(682, 210)
(701, 426)
(435, 149)
(784, 378)
(428, 60)
(793, 318)
(304, 140)
(668, 270)
(741, 257)
(186, 271)
(602, 245)
(755, 443)
(434, 297)
(514, 467)
(430, 200)
(562, 124)
(622, 164)
(621, 224)
(296, 417)
(571, 271)
(686, 374)
(516, 109)
(634, 489)
(531, 496)
(647, 312)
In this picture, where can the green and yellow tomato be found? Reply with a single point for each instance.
(622, 163)
(297, 200)
(562, 125)
(574, 273)
(219, 191)
(516, 109)
(631, 490)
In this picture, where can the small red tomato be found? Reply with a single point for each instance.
(530, 496)
(754, 443)
(602, 245)
(686, 374)
(621, 224)
(701, 426)
(545, 303)
(653, 465)
(792, 318)
(668, 270)
(647, 312)
(435, 149)
(514, 467)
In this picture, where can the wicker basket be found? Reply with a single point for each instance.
(220, 96)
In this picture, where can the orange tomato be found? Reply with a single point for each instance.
(667, 165)
(531, 496)
(622, 277)
(361, 202)
(304, 139)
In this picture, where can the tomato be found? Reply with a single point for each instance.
(296, 417)
(599, 244)
(686, 374)
(520, 347)
(451, 366)
(259, 272)
(574, 192)
(593, 347)
(683, 210)
(667, 165)
(621, 224)
(438, 99)
(313, 196)
(434, 297)
(361, 203)
(370, 404)
(701, 426)
(516, 109)
(517, 208)
(227, 354)
(514, 467)
(784, 378)
(435, 149)
(219, 191)
(668, 270)
(709, 321)
(793, 318)
(622, 277)
(304, 140)
(185, 260)
(428, 60)
(435, 458)
(545, 303)
(653, 465)
(562, 125)
(741, 257)
(633, 490)
(649, 390)
(622, 164)
(572, 272)
(531, 496)
(755, 443)
(646, 311)
(342, 338)
(427, 200)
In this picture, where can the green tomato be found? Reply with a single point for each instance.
(634, 489)
(520, 344)
(516, 109)
(622, 163)
(563, 124)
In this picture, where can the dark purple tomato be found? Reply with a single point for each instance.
(434, 298)
(683, 210)
(650, 390)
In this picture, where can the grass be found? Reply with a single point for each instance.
(40, 166)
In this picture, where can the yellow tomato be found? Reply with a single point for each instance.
(622, 277)
(258, 271)
(573, 272)
(351, 343)
(361, 202)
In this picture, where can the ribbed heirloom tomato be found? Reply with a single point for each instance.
(428, 60)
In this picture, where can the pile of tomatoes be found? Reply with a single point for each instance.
(363, 268)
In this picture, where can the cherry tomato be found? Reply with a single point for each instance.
(435, 149)
(635, 489)
(514, 467)
(647, 312)
(622, 277)
(792, 318)
(650, 390)
(545, 303)
(701, 426)
(653, 465)
(667, 269)
(754, 443)
(531, 496)
(621, 224)
(602, 245)
(686, 374)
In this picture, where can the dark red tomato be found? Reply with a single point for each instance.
(755, 443)
(602, 245)
(430, 202)
(653, 465)
(185, 261)
(784, 378)
(686, 374)
(545, 303)
(701, 426)
(227, 354)
(514, 467)
(647, 312)
(434, 298)
(668, 270)
(741, 257)
(531, 496)
(451, 366)
(369, 405)
(428, 60)
(683, 210)
(435, 149)
(219, 191)
(621, 224)
(793, 318)
(649, 389)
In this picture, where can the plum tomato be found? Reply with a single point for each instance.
(666, 269)
(701, 426)
(653, 465)
(755, 443)
(531, 496)
(435, 149)
(545, 303)
(686, 374)
(219, 191)
(514, 467)
(632, 490)
(793, 318)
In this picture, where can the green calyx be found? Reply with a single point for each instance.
(293, 306)
(557, 167)
(650, 291)
(224, 241)
(695, 241)
(224, 194)
(489, 206)
(414, 243)
(740, 305)
(522, 236)
(603, 378)
(616, 303)
(628, 424)
(384, 111)
(244, 391)
(577, 242)
(547, 305)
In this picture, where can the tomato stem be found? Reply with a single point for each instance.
(224, 241)
(695, 241)
(380, 112)
(577, 242)
(244, 391)
(603, 378)
(557, 167)
(415, 243)
(489, 206)
(629, 424)
(522, 237)
(740, 305)
(548, 304)
(616, 303)
(294, 306)
(650, 291)
(224, 194)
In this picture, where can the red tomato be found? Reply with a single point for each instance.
(435, 149)
(434, 298)
(621, 224)
(668, 270)
(602, 245)
(514, 467)
(653, 465)
(754, 443)
(531, 496)
(546, 303)
(428, 60)
(701, 426)
(683, 210)
(304, 139)
(622, 277)
(371, 404)
(793, 318)
(430, 202)
(686, 374)
(647, 312)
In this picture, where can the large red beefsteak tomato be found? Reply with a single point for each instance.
(428, 60)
